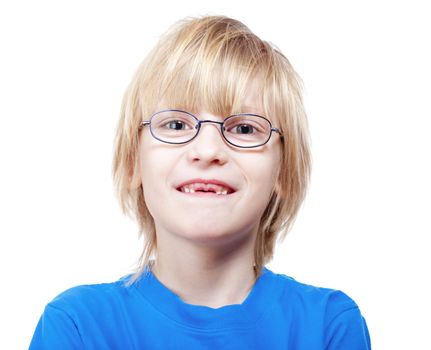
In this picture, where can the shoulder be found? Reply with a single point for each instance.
(74, 316)
(331, 310)
(329, 299)
(90, 296)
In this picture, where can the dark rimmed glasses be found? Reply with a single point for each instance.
(243, 130)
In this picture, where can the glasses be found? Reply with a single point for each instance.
(240, 130)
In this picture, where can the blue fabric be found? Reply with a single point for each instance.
(279, 313)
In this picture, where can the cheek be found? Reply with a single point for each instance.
(262, 180)
(157, 165)
(152, 162)
(152, 175)
(266, 172)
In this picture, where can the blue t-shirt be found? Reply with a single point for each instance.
(279, 313)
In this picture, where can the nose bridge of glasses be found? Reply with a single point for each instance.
(200, 122)
(214, 127)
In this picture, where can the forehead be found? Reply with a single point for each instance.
(247, 99)
(253, 97)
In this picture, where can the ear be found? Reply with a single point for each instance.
(281, 186)
(277, 190)
(135, 177)
(277, 184)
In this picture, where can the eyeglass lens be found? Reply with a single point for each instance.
(242, 130)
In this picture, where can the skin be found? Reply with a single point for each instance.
(205, 243)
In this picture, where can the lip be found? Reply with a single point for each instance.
(230, 188)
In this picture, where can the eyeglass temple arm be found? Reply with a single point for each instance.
(143, 124)
(278, 131)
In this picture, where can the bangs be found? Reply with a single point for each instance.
(213, 69)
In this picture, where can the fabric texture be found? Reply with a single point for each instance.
(278, 313)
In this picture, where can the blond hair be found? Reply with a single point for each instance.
(209, 62)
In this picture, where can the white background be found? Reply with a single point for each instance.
(365, 225)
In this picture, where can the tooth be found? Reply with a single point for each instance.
(191, 188)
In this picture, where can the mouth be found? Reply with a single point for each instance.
(205, 187)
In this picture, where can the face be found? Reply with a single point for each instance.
(237, 182)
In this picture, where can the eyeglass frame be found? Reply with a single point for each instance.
(200, 122)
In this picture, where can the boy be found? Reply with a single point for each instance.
(212, 158)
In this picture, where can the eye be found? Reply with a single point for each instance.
(169, 123)
(175, 125)
(243, 129)
(245, 125)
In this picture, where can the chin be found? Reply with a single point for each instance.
(203, 234)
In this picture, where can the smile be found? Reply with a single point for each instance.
(210, 187)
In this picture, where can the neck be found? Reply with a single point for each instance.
(208, 276)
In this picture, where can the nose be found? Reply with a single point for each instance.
(209, 146)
